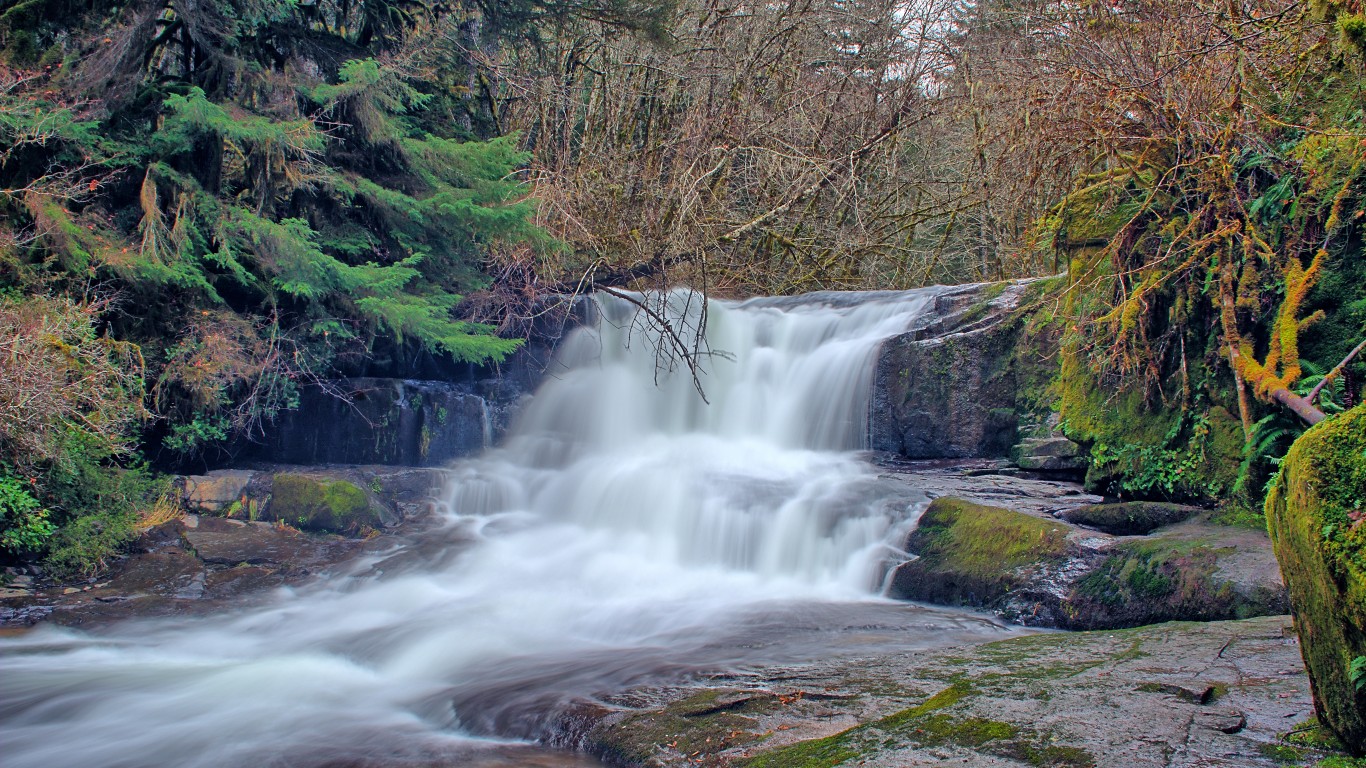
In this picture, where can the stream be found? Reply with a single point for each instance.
(637, 527)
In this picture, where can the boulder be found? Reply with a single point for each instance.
(1044, 572)
(316, 502)
(1315, 512)
(1130, 518)
(1050, 454)
(215, 492)
(971, 554)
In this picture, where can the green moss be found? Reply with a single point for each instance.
(1314, 511)
(321, 504)
(1340, 761)
(969, 553)
(983, 541)
(926, 725)
(1129, 518)
(1312, 735)
(1144, 582)
(1281, 753)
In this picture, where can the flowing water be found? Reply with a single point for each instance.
(632, 530)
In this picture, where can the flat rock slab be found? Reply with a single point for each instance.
(1041, 498)
(1179, 694)
(258, 543)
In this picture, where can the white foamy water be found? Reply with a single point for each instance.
(629, 531)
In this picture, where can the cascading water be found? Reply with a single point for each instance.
(628, 531)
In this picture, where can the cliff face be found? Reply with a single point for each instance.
(951, 387)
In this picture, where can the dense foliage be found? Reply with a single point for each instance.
(206, 205)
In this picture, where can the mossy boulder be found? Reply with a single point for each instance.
(1152, 581)
(971, 554)
(1315, 514)
(1044, 572)
(316, 503)
(1133, 518)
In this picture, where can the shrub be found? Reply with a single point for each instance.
(24, 526)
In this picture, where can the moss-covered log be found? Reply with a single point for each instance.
(1315, 515)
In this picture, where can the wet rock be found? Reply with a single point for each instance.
(215, 492)
(947, 389)
(172, 572)
(259, 543)
(1056, 699)
(1132, 518)
(97, 612)
(241, 580)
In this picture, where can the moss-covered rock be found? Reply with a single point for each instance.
(1044, 572)
(1133, 518)
(1150, 582)
(1315, 515)
(970, 554)
(317, 503)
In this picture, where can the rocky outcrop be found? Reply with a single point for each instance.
(1316, 512)
(193, 565)
(382, 421)
(948, 388)
(1031, 566)
(1209, 694)
(339, 499)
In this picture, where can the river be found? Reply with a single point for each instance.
(638, 526)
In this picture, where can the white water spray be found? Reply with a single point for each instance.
(626, 532)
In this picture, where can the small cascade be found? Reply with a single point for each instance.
(629, 530)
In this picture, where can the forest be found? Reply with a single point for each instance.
(208, 206)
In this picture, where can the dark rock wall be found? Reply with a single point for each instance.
(379, 421)
(414, 421)
(948, 389)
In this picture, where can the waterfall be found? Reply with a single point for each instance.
(631, 528)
